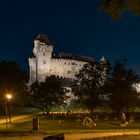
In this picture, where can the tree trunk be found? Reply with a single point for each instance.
(48, 110)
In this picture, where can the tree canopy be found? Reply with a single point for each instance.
(12, 80)
(48, 93)
(88, 83)
(115, 8)
(120, 87)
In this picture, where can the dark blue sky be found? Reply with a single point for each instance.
(74, 26)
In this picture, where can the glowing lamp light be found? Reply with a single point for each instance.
(8, 96)
(8, 108)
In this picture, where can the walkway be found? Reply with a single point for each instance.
(98, 135)
(15, 118)
(79, 136)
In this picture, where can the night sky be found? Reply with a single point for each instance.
(73, 26)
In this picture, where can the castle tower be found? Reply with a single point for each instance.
(40, 64)
(43, 47)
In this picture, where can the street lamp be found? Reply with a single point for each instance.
(8, 108)
(8, 96)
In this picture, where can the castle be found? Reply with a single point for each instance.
(44, 64)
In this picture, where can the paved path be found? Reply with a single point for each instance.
(98, 135)
(79, 136)
(15, 118)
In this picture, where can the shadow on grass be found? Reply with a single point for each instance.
(116, 124)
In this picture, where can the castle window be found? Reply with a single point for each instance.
(33, 72)
(44, 62)
(42, 43)
(69, 72)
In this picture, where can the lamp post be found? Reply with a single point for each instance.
(8, 108)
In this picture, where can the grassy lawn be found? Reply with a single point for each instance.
(68, 126)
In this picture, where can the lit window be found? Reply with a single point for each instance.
(42, 43)
(44, 62)
(69, 72)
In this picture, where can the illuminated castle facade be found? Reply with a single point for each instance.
(44, 64)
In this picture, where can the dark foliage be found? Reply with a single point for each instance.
(12, 80)
(48, 93)
(115, 8)
(87, 86)
(121, 87)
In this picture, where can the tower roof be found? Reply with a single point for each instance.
(43, 38)
(103, 59)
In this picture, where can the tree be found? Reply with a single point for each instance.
(115, 8)
(12, 80)
(88, 83)
(120, 87)
(48, 93)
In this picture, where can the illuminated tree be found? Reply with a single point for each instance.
(48, 93)
(88, 84)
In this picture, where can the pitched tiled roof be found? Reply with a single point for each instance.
(43, 38)
(76, 57)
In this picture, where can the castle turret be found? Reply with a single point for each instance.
(40, 64)
(103, 60)
(43, 47)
